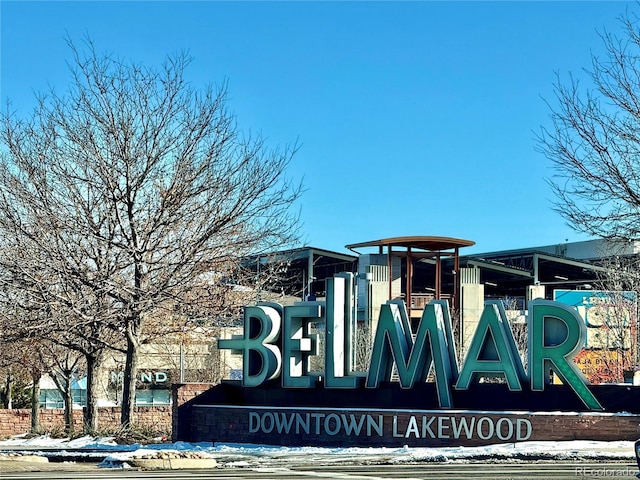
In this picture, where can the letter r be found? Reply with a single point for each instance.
(556, 335)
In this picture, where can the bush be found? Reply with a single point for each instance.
(136, 434)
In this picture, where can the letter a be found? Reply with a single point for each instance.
(493, 350)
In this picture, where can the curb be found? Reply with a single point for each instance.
(172, 463)
(14, 457)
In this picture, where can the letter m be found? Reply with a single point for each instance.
(393, 344)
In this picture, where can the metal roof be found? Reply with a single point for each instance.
(305, 252)
(428, 243)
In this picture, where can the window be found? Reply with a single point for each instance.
(153, 397)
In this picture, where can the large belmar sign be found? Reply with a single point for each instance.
(277, 343)
(436, 400)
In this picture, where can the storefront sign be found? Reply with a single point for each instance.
(145, 377)
(431, 426)
(277, 343)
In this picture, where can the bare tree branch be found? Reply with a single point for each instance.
(119, 196)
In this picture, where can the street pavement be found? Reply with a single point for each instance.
(453, 471)
(18, 463)
(325, 467)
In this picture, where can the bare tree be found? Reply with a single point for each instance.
(594, 146)
(20, 365)
(363, 345)
(612, 319)
(39, 301)
(30, 359)
(13, 372)
(134, 185)
(518, 324)
(63, 367)
(594, 141)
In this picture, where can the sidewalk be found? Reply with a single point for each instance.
(11, 463)
(34, 463)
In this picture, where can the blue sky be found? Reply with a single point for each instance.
(414, 118)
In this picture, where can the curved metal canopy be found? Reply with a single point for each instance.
(429, 246)
(428, 243)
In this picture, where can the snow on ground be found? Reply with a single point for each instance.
(245, 455)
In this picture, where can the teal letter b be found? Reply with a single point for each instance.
(261, 357)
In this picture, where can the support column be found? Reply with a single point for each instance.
(456, 279)
(438, 276)
(390, 265)
(409, 282)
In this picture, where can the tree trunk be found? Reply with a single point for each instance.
(94, 362)
(8, 398)
(129, 382)
(68, 402)
(134, 327)
(64, 385)
(35, 402)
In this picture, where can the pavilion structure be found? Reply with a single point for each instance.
(420, 248)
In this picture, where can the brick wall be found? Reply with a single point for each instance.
(394, 428)
(18, 421)
(181, 417)
(161, 419)
(183, 392)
